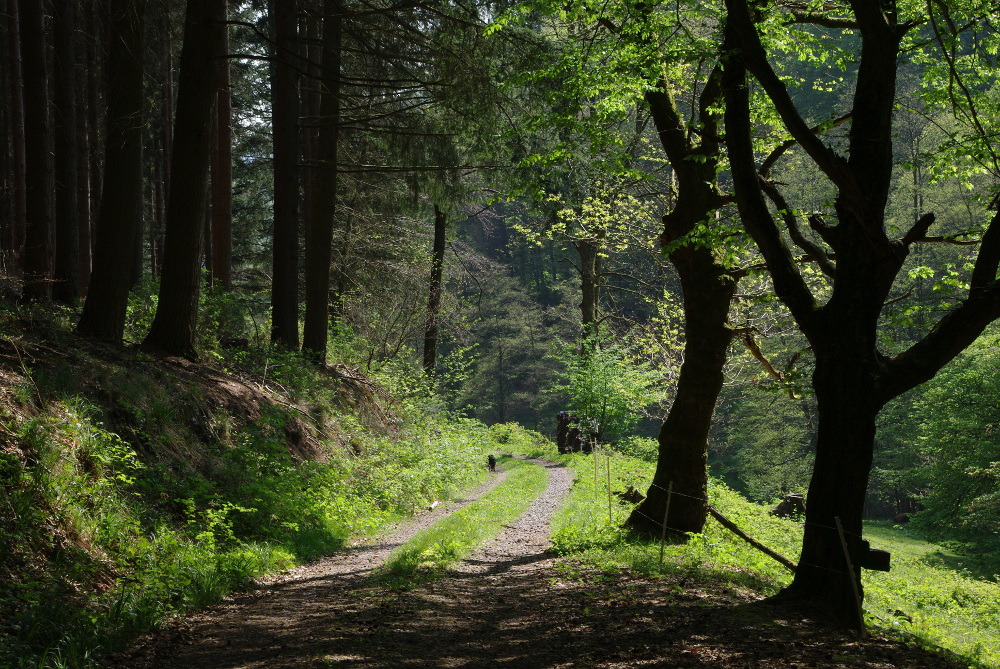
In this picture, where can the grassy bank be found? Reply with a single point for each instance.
(927, 596)
(133, 489)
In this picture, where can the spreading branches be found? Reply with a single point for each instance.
(743, 34)
(956, 330)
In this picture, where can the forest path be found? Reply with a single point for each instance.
(509, 605)
(291, 619)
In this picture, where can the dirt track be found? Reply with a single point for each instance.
(507, 605)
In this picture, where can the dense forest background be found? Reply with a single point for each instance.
(483, 203)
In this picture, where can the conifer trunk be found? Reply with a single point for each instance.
(19, 208)
(222, 176)
(173, 329)
(432, 331)
(119, 219)
(37, 262)
(284, 122)
(66, 288)
(319, 227)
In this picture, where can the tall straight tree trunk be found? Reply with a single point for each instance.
(96, 119)
(319, 227)
(84, 205)
(173, 328)
(166, 134)
(222, 178)
(284, 123)
(19, 221)
(432, 331)
(66, 288)
(38, 167)
(6, 157)
(119, 220)
(311, 56)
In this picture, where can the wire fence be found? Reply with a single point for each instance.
(848, 569)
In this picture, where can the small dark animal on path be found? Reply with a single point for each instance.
(492, 462)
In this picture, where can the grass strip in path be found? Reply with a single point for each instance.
(431, 551)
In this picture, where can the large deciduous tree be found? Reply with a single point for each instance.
(707, 286)
(853, 378)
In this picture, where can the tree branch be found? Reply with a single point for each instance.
(772, 158)
(788, 282)
(744, 34)
(956, 330)
(792, 224)
(919, 229)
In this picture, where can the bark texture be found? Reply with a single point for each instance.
(432, 331)
(319, 227)
(37, 261)
(708, 288)
(19, 194)
(222, 176)
(66, 287)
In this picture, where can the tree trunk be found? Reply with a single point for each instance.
(284, 121)
(66, 288)
(38, 167)
(96, 120)
(165, 138)
(19, 215)
(708, 287)
(6, 153)
(845, 446)
(683, 439)
(222, 178)
(319, 227)
(84, 206)
(119, 219)
(852, 379)
(173, 329)
(431, 328)
(590, 288)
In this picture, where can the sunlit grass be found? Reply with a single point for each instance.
(923, 594)
(928, 594)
